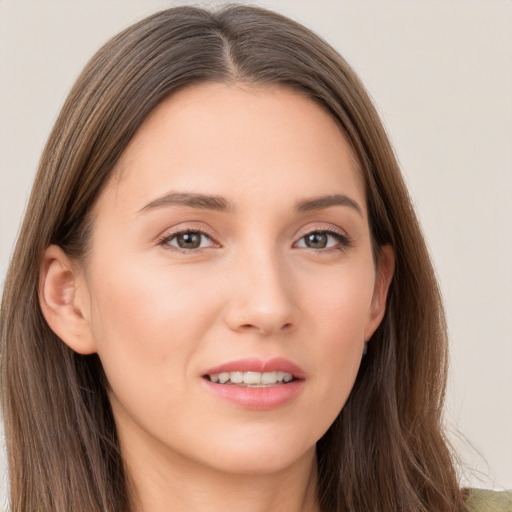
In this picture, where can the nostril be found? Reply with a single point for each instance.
(286, 327)
(244, 316)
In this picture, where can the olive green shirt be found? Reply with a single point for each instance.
(483, 500)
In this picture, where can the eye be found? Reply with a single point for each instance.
(188, 240)
(323, 239)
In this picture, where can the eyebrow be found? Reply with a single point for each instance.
(319, 203)
(221, 204)
(200, 201)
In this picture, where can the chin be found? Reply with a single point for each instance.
(261, 456)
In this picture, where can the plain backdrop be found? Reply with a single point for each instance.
(440, 73)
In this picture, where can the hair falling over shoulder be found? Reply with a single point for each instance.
(386, 451)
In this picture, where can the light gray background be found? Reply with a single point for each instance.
(441, 75)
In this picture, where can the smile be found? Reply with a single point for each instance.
(252, 379)
(256, 384)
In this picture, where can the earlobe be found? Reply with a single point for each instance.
(385, 271)
(63, 300)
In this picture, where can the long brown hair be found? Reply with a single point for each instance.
(386, 451)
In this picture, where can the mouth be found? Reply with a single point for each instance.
(251, 379)
(256, 384)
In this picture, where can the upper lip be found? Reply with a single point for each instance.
(254, 364)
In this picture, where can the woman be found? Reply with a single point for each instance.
(220, 293)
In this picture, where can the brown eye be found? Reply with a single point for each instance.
(325, 239)
(316, 240)
(188, 240)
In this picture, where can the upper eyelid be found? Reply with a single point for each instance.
(187, 228)
(325, 229)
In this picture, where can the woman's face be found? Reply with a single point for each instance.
(232, 242)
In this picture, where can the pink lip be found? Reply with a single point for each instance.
(263, 398)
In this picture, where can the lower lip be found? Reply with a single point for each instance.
(260, 399)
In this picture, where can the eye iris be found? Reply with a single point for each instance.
(189, 240)
(316, 240)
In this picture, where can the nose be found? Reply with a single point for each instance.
(262, 296)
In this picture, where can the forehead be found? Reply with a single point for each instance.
(266, 142)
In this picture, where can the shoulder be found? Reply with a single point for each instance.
(484, 500)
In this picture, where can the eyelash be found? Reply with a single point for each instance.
(343, 240)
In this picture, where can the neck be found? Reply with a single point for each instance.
(159, 484)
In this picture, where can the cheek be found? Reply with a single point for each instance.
(146, 304)
(340, 302)
(147, 323)
(338, 315)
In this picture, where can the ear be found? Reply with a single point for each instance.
(384, 275)
(64, 300)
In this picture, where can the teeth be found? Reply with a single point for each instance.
(251, 378)
(269, 378)
(236, 377)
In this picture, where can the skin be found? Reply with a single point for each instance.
(159, 315)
